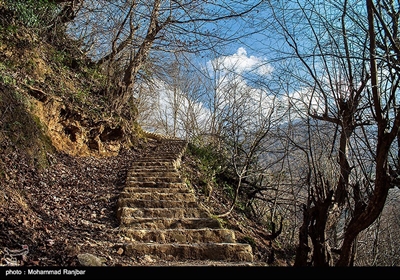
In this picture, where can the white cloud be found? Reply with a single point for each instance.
(241, 63)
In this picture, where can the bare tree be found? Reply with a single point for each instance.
(387, 119)
(174, 107)
(248, 118)
(351, 86)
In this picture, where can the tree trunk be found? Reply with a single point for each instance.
(137, 61)
(364, 218)
(382, 183)
(303, 248)
(321, 254)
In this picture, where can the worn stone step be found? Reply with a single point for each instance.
(158, 173)
(157, 163)
(151, 159)
(158, 157)
(182, 189)
(130, 184)
(162, 212)
(143, 203)
(154, 166)
(150, 169)
(169, 223)
(159, 196)
(171, 147)
(196, 251)
(180, 235)
(198, 263)
(154, 179)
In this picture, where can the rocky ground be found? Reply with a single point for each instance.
(65, 214)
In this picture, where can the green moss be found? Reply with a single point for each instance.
(7, 79)
(22, 128)
(12, 29)
(222, 223)
(248, 240)
(3, 66)
(60, 57)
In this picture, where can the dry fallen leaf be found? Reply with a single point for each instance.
(120, 251)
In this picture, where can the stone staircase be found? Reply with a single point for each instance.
(161, 218)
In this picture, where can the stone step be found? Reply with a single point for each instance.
(196, 251)
(168, 223)
(188, 197)
(157, 163)
(197, 263)
(180, 235)
(154, 160)
(142, 203)
(157, 173)
(154, 166)
(151, 169)
(130, 184)
(170, 148)
(181, 189)
(162, 212)
(158, 157)
(154, 179)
